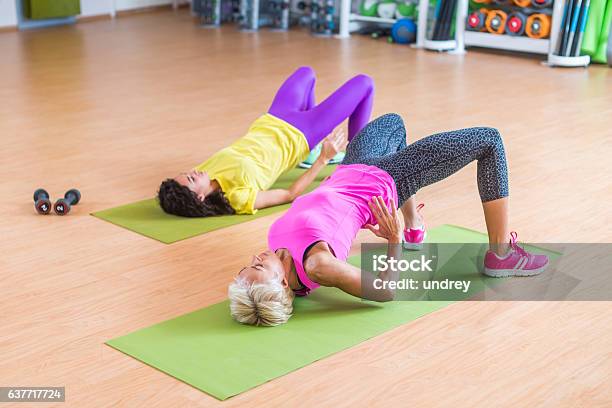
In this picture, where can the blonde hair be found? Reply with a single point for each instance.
(260, 304)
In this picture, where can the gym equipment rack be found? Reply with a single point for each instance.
(519, 43)
(547, 46)
(251, 20)
(213, 12)
(322, 17)
(350, 21)
(462, 38)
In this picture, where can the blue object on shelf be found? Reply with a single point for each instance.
(404, 31)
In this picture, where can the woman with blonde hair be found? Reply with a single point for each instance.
(309, 244)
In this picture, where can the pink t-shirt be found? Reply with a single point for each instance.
(334, 212)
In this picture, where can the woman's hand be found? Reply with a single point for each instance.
(390, 225)
(333, 144)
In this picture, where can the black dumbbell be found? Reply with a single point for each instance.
(62, 206)
(41, 201)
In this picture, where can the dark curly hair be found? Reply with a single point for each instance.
(180, 200)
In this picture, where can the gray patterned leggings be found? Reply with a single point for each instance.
(382, 143)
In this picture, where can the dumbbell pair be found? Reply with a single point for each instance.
(62, 206)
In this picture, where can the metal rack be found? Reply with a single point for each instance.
(251, 19)
(465, 38)
(349, 21)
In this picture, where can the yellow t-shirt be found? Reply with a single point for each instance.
(254, 162)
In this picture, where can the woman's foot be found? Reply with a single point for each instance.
(314, 155)
(415, 233)
(517, 262)
(337, 159)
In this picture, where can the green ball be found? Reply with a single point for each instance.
(406, 10)
(368, 8)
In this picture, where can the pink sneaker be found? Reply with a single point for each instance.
(517, 262)
(414, 237)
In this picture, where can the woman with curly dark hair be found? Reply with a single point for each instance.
(237, 179)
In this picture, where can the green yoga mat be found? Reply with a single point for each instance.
(211, 352)
(148, 219)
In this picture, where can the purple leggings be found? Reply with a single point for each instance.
(295, 103)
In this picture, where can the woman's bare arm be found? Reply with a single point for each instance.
(279, 196)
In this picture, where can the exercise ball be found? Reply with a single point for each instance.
(404, 31)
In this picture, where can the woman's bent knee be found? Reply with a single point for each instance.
(494, 135)
(306, 71)
(364, 81)
(491, 137)
(392, 119)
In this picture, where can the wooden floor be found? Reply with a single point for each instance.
(114, 107)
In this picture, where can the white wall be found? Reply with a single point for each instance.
(95, 7)
(8, 13)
